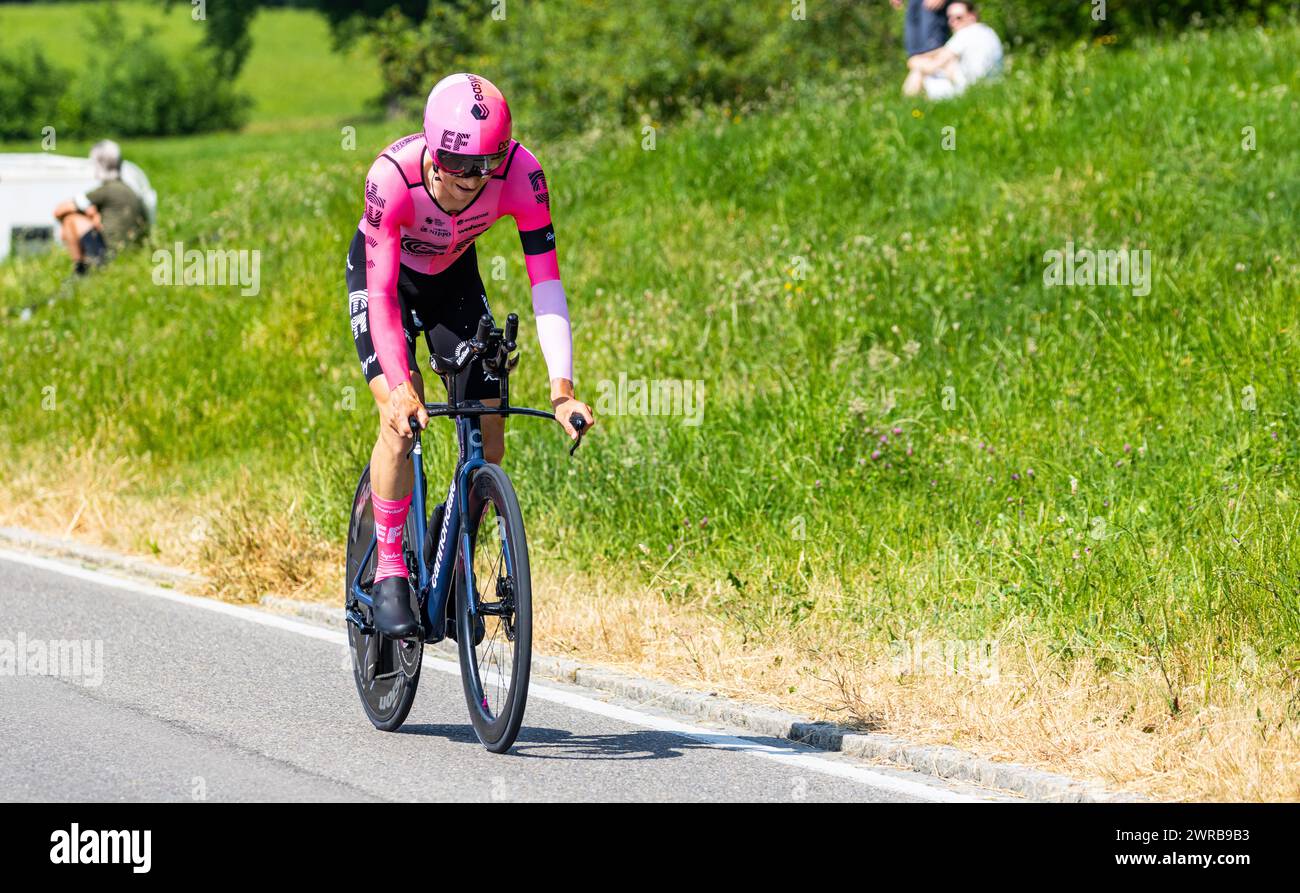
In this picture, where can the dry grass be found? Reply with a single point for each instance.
(1233, 741)
(240, 540)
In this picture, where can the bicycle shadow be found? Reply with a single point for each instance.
(642, 744)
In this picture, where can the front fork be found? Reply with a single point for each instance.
(435, 583)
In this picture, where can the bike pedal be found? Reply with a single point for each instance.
(355, 618)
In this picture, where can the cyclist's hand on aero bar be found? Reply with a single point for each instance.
(568, 406)
(403, 403)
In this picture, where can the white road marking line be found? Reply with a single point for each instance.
(788, 756)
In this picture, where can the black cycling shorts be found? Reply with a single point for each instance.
(445, 306)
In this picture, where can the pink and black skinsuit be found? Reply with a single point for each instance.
(412, 267)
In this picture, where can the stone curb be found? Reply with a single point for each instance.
(937, 760)
(98, 556)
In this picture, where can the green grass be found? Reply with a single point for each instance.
(295, 78)
(1160, 515)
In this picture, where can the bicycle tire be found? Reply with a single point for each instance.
(496, 712)
(386, 671)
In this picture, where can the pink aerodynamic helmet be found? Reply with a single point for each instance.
(467, 125)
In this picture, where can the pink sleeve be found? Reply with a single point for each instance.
(527, 199)
(388, 205)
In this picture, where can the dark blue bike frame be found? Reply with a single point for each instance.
(434, 584)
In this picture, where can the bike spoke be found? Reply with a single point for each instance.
(494, 672)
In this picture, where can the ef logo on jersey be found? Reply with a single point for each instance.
(454, 141)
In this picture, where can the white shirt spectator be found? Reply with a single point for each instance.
(978, 50)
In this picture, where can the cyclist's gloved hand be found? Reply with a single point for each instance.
(404, 402)
(566, 406)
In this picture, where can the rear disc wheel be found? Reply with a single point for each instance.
(386, 671)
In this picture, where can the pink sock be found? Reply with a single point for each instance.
(390, 516)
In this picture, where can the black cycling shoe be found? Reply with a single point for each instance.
(392, 609)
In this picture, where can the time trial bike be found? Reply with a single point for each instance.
(467, 565)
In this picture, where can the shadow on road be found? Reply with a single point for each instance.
(558, 744)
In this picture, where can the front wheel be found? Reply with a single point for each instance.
(496, 658)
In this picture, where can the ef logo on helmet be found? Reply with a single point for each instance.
(454, 141)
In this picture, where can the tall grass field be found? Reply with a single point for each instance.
(908, 427)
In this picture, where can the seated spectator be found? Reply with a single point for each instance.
(973, 52)
(925, 28)
(98, 224)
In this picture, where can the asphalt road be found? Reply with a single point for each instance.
(192, 699)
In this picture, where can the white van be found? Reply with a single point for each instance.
(33, 183)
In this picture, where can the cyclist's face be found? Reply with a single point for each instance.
(454, 192)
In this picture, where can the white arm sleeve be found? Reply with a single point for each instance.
(553, 328)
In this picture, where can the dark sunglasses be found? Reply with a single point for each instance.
(459, 165)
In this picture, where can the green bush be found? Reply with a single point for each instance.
(575, 62)
(571, 63)
(129, 86)
(132, 87)
(31, 93)
(1026, 21)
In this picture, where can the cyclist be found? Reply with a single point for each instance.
(412, 267)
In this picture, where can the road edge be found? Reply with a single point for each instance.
(939, 761)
